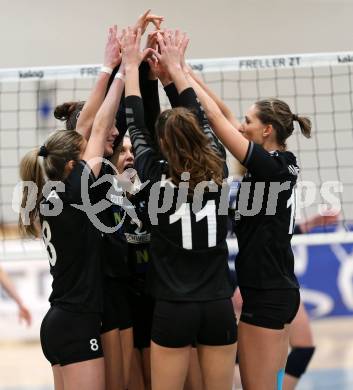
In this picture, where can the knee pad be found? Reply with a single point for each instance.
(298, 360)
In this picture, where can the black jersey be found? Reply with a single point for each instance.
(265, 220)
(133, 235)
(73, 246)
(114, 248)
(188, 246)
(138, 236)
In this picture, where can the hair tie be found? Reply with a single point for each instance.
(295, 117)
(43, 151)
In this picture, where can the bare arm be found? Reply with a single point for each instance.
(225, 131)
(103, 123)
(226, 111)
(182, 42)
(172, 57)
(10, 289)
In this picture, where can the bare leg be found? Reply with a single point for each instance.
(299, 330)
(58, 377)
(300, 335)
(194, 376)
(237, 301)
(217, 366)
(113, 358)
(285, 345)
(88, 375)
(127, 346)
(169, 367)
(237, 305)
(146, 358)
(136, 372)
(262, 353)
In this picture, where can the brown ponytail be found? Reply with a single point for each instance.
(32, 171)
(69, 112)
(277, 113)
(187, 148)
(60, 147)
(305, 125)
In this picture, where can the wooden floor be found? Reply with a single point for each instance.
(23, 367)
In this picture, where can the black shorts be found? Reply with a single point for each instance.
(179, 324)
(116, 305)
(70, 337)
(142, 306)
(269, 308)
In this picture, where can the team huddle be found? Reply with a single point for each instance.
(142, 292)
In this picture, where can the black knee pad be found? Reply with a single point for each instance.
(298, 360)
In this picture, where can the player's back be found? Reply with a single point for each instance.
(73, 246)
(189, 250)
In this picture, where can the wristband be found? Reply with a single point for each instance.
(120, 76)
(106, 69)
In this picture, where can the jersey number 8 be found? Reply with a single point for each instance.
(46, 234)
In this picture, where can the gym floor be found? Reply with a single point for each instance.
(23, 367)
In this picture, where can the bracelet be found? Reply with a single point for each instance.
(106, 69)
(120, 76)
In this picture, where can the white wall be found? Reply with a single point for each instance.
(48, 32)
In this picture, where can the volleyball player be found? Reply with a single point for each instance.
(116, 331)
(189, 265)
(116, 321)
(269, 138)
(193, 379)
(70, 332)
(264, 265)
(138, 239)
(137, 236)
(139, 256)
(300, 335)
(117, 334)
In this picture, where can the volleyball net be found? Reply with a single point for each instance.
(315, 85)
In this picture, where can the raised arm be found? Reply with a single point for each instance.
(171, 59)
(103, 123)
(182, 41)
(146, 155)
(225, 131)
(226, 111)
(112, 58)
(162, 74)
(149, 88)
(142, 22)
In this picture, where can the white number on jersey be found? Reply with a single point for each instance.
(94, 344)
(46, 233)
(292, 203)
(184, 213)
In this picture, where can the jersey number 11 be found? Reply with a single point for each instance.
(184, 214)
